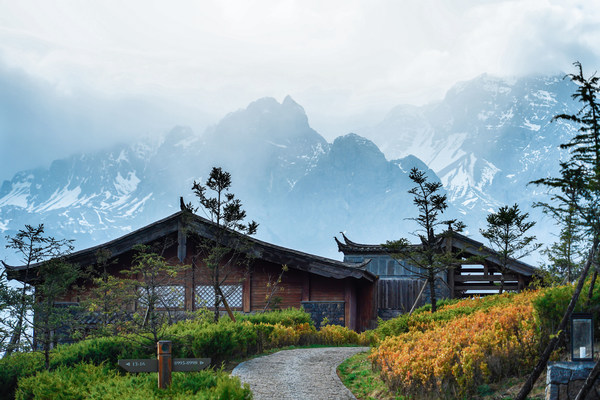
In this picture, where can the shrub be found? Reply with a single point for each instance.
(85, 381)
(337, 335)
(15, 366)
(453, 357)
(287, 317)
(422, 319)
(224, 341)
(105, 349)
(282, 336)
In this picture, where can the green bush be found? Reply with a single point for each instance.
(224, 341)
(87, 381)
(287, 317)
(15, 366)
(197, 337)
(551, 305)
(106, 349)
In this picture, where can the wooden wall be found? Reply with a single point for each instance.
(398, 294)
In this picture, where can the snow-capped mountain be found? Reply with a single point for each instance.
(301, 189)
(486, 140)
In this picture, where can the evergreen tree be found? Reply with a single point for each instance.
(218, 254)
(506, 232)
(109, 296)
(582, 175)
(428, 259)
(151, 275)
(52, 322)
(565, 254)
(33, 247)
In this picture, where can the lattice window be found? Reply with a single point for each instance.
(166, 297)
(205, 295)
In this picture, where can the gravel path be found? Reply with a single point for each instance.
(297, 374)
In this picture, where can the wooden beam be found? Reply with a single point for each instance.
(451, 281)
(247, 293)
(350, 305)
(485, 287)
(483, 278)
(306, 287)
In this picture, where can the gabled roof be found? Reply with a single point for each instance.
(262, 250)
(459, 241)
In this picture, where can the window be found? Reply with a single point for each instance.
(166, 297)
(205, 295)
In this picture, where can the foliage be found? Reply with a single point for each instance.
(107, 295)
(506, 232)
(33, 246)
(273, 287)
(428, 259)
(225, 211)
(357, 374)
(53, 323)
(337, 335)
(152, 272)
(550, 306)
(201, 337)
(88, 381)
(577, 193)
(422, 320)
(453, 357)
(15, 366)
(287, 317)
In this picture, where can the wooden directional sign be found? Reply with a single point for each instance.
(179, 364)
(190, 364)
(139, 365)
(164, 364)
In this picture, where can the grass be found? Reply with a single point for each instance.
(358, 376)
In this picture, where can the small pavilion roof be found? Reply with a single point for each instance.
(459, 241)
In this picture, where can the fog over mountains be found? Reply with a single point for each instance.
(485, 140)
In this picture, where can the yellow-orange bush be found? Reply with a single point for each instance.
(453, 357)
(337, 335)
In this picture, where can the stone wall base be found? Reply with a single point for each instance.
(565, 379)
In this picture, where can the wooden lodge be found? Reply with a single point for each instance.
(344, 292)
(398, 287)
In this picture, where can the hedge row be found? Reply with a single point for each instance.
(195, 338)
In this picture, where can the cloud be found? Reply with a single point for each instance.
(39, 122)
(347, 62)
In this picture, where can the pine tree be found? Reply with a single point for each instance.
(33, 247)
(582, 174)
(428, 259)
(226, 212)
(506, 232)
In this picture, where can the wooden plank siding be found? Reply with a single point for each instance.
(290, 288)
(398, 294)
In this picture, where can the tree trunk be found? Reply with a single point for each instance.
(541, 365)
(432, 289)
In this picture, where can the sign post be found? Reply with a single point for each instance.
(164, 364)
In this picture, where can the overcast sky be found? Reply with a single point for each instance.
(76, 74)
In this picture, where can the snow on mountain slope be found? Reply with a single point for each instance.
(486, 140)
(301, 189)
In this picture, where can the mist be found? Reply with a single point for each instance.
(40, 122)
